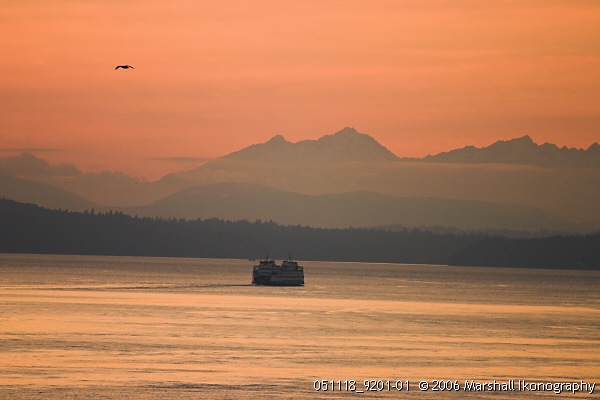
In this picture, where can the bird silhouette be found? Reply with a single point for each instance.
(124, 67)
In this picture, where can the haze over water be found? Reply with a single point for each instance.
(132, 327)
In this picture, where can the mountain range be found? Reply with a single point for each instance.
(345, 145)
(344, 179)
(350, 145)
(523, 151)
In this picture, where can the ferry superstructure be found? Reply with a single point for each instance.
(267, 272)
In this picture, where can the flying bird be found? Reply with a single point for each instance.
(124, 67)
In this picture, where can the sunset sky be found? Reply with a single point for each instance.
(212, 77)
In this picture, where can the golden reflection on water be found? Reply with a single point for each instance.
(135, 329)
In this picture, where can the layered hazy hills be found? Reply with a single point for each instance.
(28, 178)
(349, 161)
(523, 151)
(348, 178)
(40, 193)
(247, 201)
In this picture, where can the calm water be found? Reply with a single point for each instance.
(130, 327)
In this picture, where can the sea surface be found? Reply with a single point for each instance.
(74, 327)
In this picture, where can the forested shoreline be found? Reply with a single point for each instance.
(28, 228)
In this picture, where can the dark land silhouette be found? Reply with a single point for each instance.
(28, 228)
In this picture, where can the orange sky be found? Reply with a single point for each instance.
(212, 77)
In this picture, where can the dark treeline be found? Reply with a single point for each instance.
(573, 252)
(27, 228)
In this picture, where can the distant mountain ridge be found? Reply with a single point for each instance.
(524, 151)
(345, 145)
(351, 145)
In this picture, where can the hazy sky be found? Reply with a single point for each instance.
(212, 77)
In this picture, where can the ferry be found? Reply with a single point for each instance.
(267, 272)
